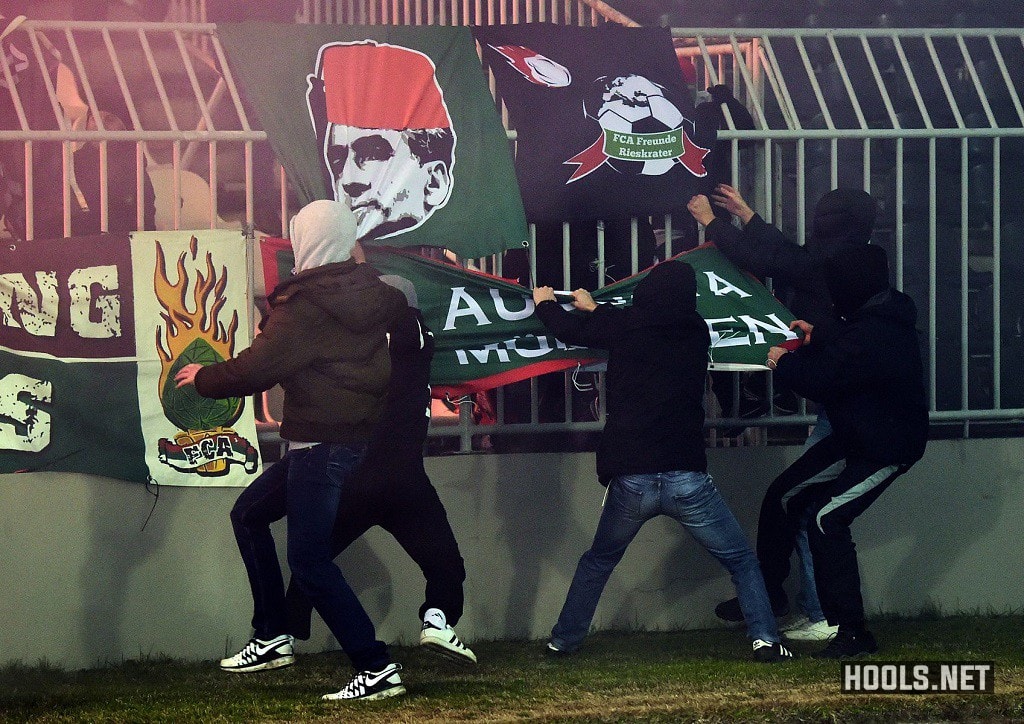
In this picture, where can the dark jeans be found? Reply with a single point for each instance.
(826, 491)
(397, 495)
(305, 485)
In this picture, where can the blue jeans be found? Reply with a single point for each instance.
(807, 599)
(690, 498)
(306, 486)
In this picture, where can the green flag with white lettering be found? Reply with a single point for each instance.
(486, 334)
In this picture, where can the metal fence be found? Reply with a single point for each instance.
(431, 12)
(929, 121)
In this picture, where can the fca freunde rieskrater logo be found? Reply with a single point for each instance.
(642, 131)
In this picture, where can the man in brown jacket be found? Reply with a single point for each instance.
(324, 343)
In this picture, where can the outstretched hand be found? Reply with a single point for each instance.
(729, 199)
(543, 294)
(700, 208)
(805, 327)
(582, 300)
(187, 374)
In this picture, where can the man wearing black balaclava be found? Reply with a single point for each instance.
(864, 366)
(651, 454)
(843, 219)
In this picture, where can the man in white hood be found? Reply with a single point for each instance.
(324, 342)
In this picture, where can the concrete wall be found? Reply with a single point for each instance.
(83, 583)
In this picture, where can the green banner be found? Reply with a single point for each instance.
(486, 334)
(643, 146)
(92, 332)
(395, 120)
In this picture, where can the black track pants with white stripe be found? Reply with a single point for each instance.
(828, 491)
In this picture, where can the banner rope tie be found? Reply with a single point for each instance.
(155, 492)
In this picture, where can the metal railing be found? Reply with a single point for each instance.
(431, 12)
(929, 121)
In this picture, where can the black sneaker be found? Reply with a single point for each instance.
(370, 685)
(769, 652)
(260, 655)
(730, 610)
(553, 651)
(847, 645)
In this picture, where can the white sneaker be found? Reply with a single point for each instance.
(803, 629)
(260, 655)
(370, 685)
(444, 642)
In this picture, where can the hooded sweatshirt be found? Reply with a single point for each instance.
(657, 361)
(843, 218)
(865, 366)
(324, 341)
(323, 232)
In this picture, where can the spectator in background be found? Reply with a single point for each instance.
(843, 219)
(864, 366)
(708, 118)
(651, 454)
(84, 177)
(122, 189)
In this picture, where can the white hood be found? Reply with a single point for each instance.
(323, 232)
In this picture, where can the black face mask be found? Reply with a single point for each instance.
(854, 275)
(669, 289)
(842, 218)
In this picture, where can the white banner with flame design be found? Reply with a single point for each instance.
(192, 304)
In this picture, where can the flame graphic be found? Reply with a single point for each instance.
(185, 322)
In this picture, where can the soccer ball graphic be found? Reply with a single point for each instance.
(633, 104)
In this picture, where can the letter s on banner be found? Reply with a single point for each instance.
(30, 431)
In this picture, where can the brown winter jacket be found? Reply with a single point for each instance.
(324, 343)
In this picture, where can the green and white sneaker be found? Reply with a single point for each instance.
(371, 685)
(258, 655)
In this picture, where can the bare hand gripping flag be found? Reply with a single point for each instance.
(603, 119)
(92, 332)
(396, 121)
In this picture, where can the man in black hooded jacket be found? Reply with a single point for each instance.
(864, 366)
(651, 455)
(843, 219)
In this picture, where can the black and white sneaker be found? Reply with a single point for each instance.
(258, 655)
(768, 652)
(370, 685)
(444, 642)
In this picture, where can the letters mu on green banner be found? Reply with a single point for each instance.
(92, 332)
(486, 334)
